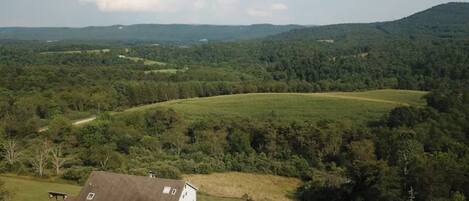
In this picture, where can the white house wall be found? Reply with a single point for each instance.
(188, 194)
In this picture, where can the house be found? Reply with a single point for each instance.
(104, 186)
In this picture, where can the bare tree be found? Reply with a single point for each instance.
(104, 160)
(57, 158)
(12, 153)
(41, 155)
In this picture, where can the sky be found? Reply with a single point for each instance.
(81, 13)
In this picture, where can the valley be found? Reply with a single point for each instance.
(354, 111)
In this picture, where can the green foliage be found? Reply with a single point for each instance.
(166, 171)
(78, 174)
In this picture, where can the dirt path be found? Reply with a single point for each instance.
(330, 95)
(84, 121)
(75, 123)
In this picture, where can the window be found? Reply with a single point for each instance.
(166, 190)
(90, 196)
(174, 191)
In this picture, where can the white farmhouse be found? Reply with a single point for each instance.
(103, 186)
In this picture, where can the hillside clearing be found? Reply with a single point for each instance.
(79, 51)
(348, 106)
(234, 184)
(168, 71)
(355, 106)
(146, 62)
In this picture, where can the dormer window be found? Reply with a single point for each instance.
(166, 190)
(90, 196)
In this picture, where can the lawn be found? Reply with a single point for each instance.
(355, 106)
(28, 189)
(235, 184)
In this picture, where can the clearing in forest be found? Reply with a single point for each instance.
(256, 186)
(348, 106)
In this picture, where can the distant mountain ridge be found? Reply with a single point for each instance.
(449, 20)
(148, 32)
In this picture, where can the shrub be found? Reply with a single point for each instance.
(77, 173)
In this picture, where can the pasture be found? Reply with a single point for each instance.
(80, 51)
(235, 185)
(146, 62)
(354, 106)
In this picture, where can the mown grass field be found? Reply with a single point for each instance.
(28, 189)
(145, 61)
(235, 185)
(354, 106)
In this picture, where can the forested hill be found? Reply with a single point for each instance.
(148, 32)
(442, 21)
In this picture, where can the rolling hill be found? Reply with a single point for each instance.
(147, 32)
(352, 106)
(442, 21)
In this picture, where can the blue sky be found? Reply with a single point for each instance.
(79, 13)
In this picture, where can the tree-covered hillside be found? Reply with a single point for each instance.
(148, 32)
(443, 21)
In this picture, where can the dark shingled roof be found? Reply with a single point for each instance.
(119, 187)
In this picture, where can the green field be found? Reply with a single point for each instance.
(169, 71)
(236, 184)
(28, 189)
(145, 61)
(79, 51)
(355, 106)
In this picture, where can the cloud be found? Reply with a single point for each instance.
(194, 10)
(259, 12)
(138, 5)
(278, 7)
(267, 12)
(200, 4)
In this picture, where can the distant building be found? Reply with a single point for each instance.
(103, 186)
(203, 40)
(326, 41)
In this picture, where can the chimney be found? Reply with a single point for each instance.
(151, 174)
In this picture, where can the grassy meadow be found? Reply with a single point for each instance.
(79, 51)
(168, 71)
(235, 184)
(28, 189)
(354, 106)
(146, 62)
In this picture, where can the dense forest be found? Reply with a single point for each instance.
(412, 153)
